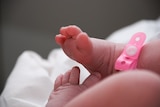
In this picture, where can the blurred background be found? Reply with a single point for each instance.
(32, 24)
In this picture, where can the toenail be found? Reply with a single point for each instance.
(76, 67)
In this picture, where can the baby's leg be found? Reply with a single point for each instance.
(67, 87)
(96, 55)
(99, 55)
(126, 89)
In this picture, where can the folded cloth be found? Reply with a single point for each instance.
(32, 79)
(29, 83)
(150, 27)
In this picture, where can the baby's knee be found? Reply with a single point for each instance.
(138, 86)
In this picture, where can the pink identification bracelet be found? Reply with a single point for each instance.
(129, 57)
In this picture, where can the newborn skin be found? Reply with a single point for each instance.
(99, 55)
(67, 87)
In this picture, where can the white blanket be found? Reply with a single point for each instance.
(32, 78)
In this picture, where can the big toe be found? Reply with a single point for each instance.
(92, 79)
(74, 76)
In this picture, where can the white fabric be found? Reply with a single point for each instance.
(150, 27)
(32, 78)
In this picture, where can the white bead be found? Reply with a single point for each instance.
(131, 50)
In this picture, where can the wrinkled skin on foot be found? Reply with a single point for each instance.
(100, 55)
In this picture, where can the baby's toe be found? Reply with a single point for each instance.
(60, 39)
(58, 82)
(70, 31)
(74, 76)
(66, 77)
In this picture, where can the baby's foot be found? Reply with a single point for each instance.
(95, 54)
(67, 87)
